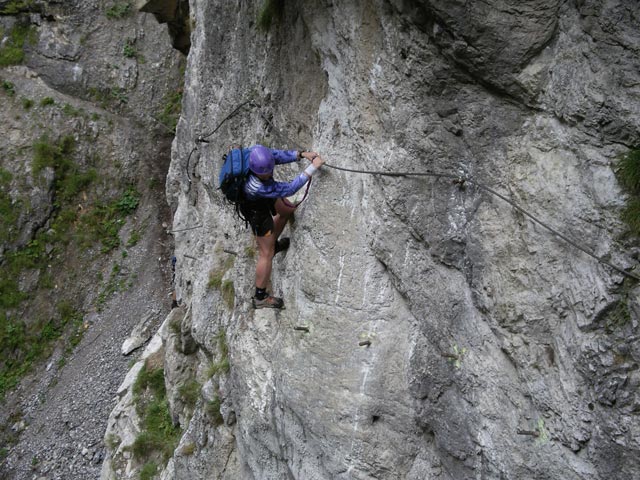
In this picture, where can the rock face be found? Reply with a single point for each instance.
(446, 336)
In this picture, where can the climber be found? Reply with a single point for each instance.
(267, 212)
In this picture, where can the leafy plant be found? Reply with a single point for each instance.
(543, 435)
(9, 88)
(457, 355)
(129, 50)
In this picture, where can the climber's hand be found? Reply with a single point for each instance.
(318, 161)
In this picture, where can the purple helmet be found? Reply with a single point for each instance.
(260, 160)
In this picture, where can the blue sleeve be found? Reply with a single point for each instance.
(284, 156)
(282, 189)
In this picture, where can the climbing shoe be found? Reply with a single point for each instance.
(282, 244)
(267, 302)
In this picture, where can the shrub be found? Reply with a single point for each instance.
(46, 101)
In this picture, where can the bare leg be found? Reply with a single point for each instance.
(281, 218)
(266, 250)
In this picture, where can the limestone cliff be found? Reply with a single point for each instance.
(440, 333)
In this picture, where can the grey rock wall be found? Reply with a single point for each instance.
(449, 337)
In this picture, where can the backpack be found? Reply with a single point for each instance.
(233, 174)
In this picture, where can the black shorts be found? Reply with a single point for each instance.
(260, 217)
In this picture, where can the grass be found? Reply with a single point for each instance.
(119, 10)
(228, 293)
(172, 107)
(629, 177)
(226, 288)
(270, 11)
(103, 222)
(26, 339)
(17, 6)
(148, 471)
(212, 409)
(190, 392)
(69, 179)
(27, 103)
(22, 345)
(47, 101)
(215, 278)
(9, 209)
(222, 365)
(12, 50)
(158, 436)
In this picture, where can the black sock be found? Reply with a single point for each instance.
(261, 293)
